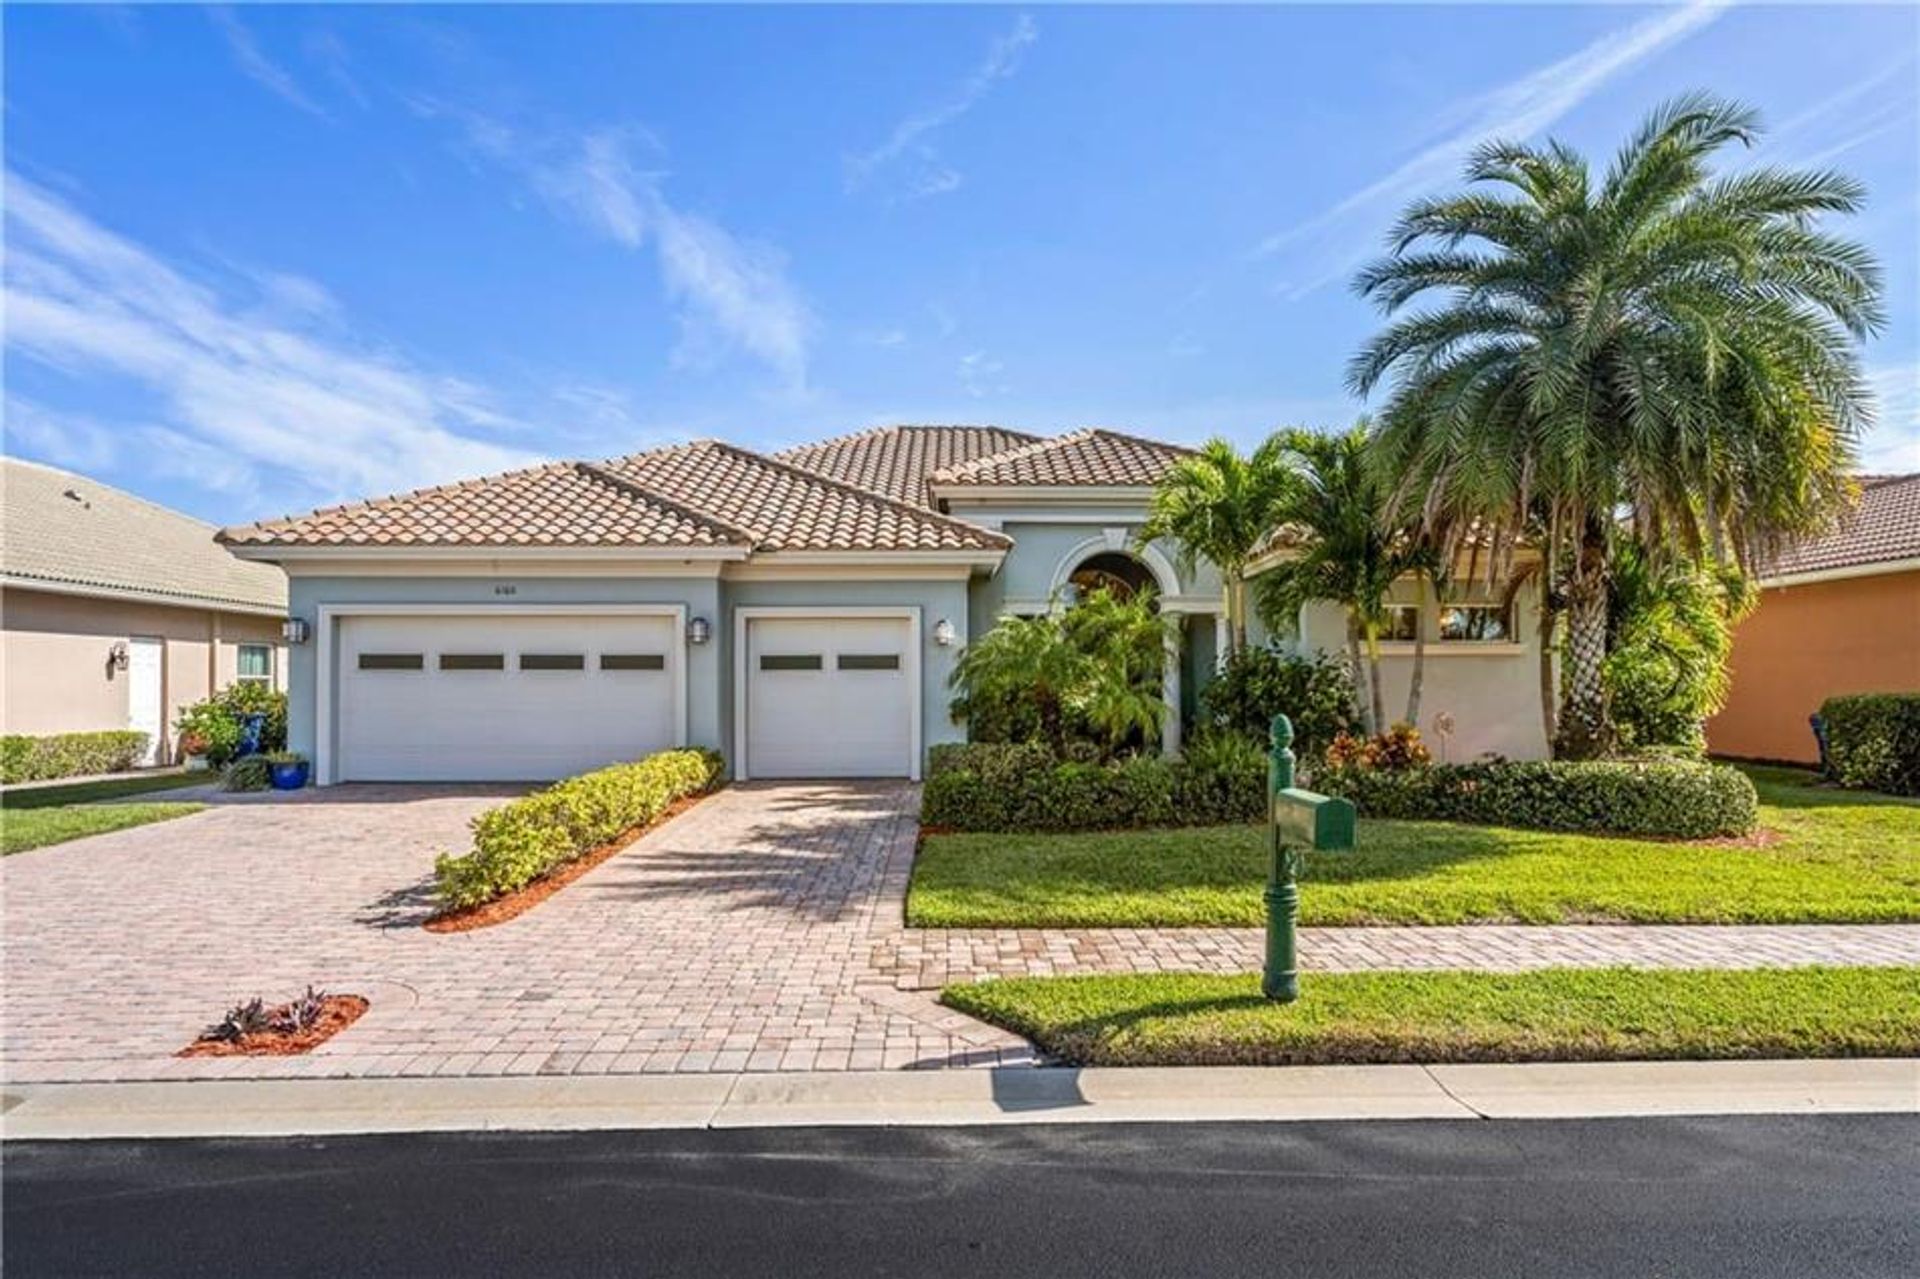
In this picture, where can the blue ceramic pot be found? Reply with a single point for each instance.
(291, 776)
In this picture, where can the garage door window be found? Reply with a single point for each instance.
(392, 662)
(553, 661)
(633, 661)
(473, 661)
(790, 662)
(869, 661)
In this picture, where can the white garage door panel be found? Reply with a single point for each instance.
(509, 724)
(829, 697)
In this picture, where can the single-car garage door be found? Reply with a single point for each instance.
(472, 698)
(829, 697)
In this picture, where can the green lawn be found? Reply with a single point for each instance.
(54, 814)
(1557, 1015)
(1829, 856)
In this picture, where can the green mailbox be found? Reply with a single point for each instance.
(1298, 820)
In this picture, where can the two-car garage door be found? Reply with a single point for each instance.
(488, 698)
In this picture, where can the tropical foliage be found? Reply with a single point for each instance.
(1219, 506)
(1259, 682)
(1654, 348)
(1344, 547)
(1670, 626)
(1089, 672)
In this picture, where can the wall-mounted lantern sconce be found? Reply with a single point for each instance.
(294, 630)
(699, 631)
(117, 658)
(943, 633)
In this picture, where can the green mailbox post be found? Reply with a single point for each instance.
(1298, 820)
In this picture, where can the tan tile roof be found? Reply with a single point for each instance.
(787, 508)
(1093, 456)
(896, 460)
(65, 529)
(1883, 527)
(559, 504)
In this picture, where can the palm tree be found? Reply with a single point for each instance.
(1345, 550)
(1218, 506)
(1023, 662)
(1657, 346)
(1124, 640)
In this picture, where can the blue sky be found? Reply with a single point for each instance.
(262, 258)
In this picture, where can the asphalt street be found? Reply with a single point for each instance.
(1832, 1196)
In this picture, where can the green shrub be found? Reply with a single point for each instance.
(1256, 684)
(1675, 799)
(39, 759)
(255, 772)
(517, 843)
(1873, 741)
(214, 723)
(1222, 778)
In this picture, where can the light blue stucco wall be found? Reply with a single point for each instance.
(935, 599)
(700, 596)
(1041, 547)
(709, 666)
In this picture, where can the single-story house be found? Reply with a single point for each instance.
(1838, 614)
(115, 613)
(800, 611)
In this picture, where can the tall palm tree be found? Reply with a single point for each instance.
(1658, 346)
(1345, 548)
(1218, 506)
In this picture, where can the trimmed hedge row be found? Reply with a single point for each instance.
(1873, 741)
(40, 759)
(1011, 787)
(517, 843)
(1673, 799)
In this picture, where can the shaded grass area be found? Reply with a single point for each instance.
(91, 792)
(1825, 856)
(1167, 1019)
(25, 828)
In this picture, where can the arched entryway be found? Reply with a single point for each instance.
(1113, 571)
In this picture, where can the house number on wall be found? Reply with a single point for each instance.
(505, 589)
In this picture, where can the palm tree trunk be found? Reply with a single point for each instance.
(1586, 731)
(1374, 692)
(1359, 674)
(1418, 678)
(1547, 695)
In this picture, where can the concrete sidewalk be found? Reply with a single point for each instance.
(285, 1108)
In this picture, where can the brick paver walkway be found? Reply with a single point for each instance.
(760, 931)
(930, 958)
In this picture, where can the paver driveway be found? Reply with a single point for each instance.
(739, 936)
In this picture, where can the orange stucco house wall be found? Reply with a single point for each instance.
(1810, 641)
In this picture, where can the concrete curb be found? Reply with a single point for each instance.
(293, 1108)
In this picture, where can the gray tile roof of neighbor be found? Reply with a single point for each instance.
(69, 531)
(1882, 528)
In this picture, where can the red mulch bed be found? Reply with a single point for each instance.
(520, 901)
(337, 1012)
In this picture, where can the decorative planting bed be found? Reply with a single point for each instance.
(252, 1029)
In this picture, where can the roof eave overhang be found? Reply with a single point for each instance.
(278, 554)
(1845, 572)
(136, 595)
(984, 557)
(1043, 494)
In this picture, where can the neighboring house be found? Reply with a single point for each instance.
(1838, 614)
(116, 613)
(801, 612)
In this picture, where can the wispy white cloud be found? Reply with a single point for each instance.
(258, 67)
(283, 406)
(908, 154)
(732, 292)
(1331, 243)
(1894, 443)
(326, 48)
(980, 375)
